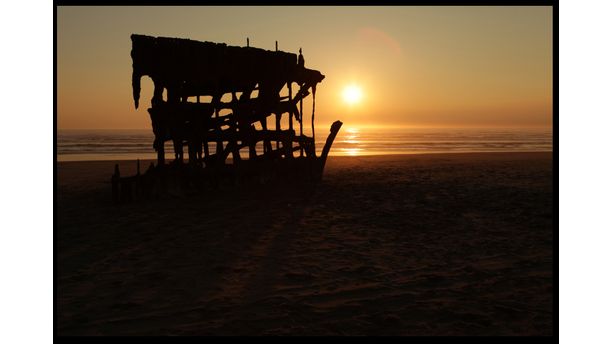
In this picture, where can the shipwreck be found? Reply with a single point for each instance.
(221, 101)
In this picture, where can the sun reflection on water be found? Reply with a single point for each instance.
(352, 151)
(352, 140)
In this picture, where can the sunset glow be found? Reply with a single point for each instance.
(385, 66)
(352, 94)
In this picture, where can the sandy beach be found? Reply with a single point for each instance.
(440, 244)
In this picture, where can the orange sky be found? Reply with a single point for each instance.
(416, 66)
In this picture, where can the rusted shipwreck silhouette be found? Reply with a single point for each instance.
(191, 72)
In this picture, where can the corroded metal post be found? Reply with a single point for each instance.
(314, 92)
(333, 131)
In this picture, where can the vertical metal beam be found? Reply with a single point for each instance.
(217, 101)
(205, 143)
(314, 93)
(301, 129)
(290, 143)
(278, 128)
(161, 155)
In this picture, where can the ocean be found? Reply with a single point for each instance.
(80, 145)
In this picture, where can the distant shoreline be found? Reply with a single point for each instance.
(59, 160)
(115, 146)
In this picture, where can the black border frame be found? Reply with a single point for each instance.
(555, 128)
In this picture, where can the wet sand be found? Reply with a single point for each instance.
(441, 244)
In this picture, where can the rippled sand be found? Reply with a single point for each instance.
(446, 244)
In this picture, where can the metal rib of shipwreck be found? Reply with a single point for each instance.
(190, 71)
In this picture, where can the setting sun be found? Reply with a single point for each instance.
(352, 94)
